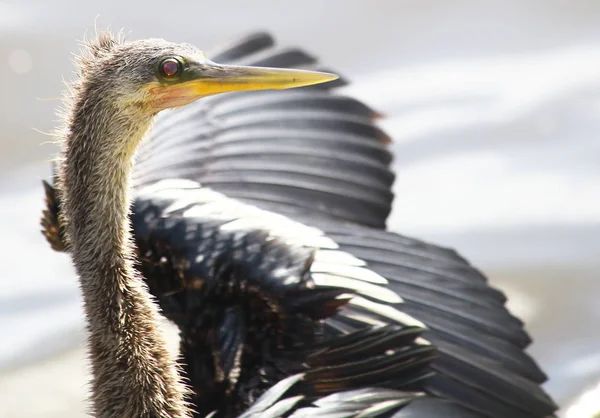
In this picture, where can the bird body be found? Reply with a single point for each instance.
(258, 225)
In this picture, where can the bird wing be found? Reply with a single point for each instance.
(482, 363)
(310, 149)
(350, 373)
(394, 279)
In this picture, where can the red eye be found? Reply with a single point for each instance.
(170, 67)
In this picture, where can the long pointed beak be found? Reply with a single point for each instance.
(213, 78)
(209, 78)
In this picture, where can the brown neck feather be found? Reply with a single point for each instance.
(134, 374)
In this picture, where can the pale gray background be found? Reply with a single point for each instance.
(495, 111)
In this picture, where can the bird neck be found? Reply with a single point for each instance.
(133, 373)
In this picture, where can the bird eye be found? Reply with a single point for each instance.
(170, 67)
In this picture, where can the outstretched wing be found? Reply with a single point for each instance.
(380, 367)
(308, 149)
(241, 282)
(393, 279)
(482, 362)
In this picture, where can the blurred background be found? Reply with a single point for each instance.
(495, 111)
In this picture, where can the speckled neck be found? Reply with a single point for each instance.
(134, 375)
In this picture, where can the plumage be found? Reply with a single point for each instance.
(258, 219)
(466, 338)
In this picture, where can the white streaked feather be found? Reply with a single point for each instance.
(272, 395)
(208, 202)
(331, 266)
(197, 198)
(208, 209)
(365, 395)
(381, 407)
(422, 341)
(387, 311)
(362, 287)
(352, 272)
(174, 184)
(364, 318)
(281, 407)
(312, 412)
(339, 257)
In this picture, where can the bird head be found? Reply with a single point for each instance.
(153, 74)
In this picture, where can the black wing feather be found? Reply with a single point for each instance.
(480, 346)
(481, 364)
(241, 47)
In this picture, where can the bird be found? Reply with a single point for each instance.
(258, 225)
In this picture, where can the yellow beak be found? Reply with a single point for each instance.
(207, 78)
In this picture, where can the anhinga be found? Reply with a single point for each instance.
(290, 297)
